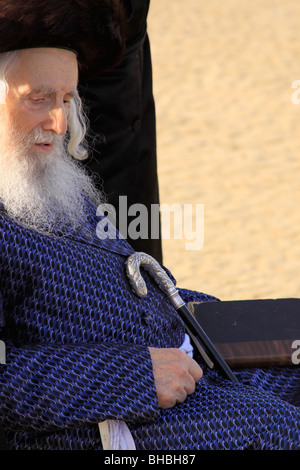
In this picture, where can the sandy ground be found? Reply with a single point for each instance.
(229, 138)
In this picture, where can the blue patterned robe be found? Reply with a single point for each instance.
(77, 337)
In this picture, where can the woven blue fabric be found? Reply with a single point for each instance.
(76, 354)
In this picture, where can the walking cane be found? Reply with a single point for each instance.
(206, 347)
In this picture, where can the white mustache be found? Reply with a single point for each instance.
(39, 136)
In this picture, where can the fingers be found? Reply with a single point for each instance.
(175, 375)
(194, 369)
(189, 372)
(188, 388)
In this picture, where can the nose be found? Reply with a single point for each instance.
(57, 120)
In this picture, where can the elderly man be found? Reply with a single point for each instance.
(81, 347)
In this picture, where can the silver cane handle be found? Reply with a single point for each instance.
(155, 270)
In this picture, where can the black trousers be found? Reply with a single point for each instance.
(122, 135)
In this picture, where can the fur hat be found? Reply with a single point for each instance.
(94, 29)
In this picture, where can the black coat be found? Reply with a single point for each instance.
(121, 111)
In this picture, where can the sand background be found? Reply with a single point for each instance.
(229, 138)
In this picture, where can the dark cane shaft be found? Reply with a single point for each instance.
(212, 352)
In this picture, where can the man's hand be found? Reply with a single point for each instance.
(175, 375)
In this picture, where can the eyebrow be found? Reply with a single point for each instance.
(44, 90)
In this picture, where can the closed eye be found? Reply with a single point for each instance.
(37, 100)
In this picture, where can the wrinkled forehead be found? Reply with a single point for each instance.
(50, 68)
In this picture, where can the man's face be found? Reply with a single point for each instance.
(41, 83)
(41, 184)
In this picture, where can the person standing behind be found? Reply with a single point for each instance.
(122, 134)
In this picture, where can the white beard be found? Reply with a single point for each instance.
(44, 192)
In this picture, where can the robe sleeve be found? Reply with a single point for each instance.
(46, 387)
